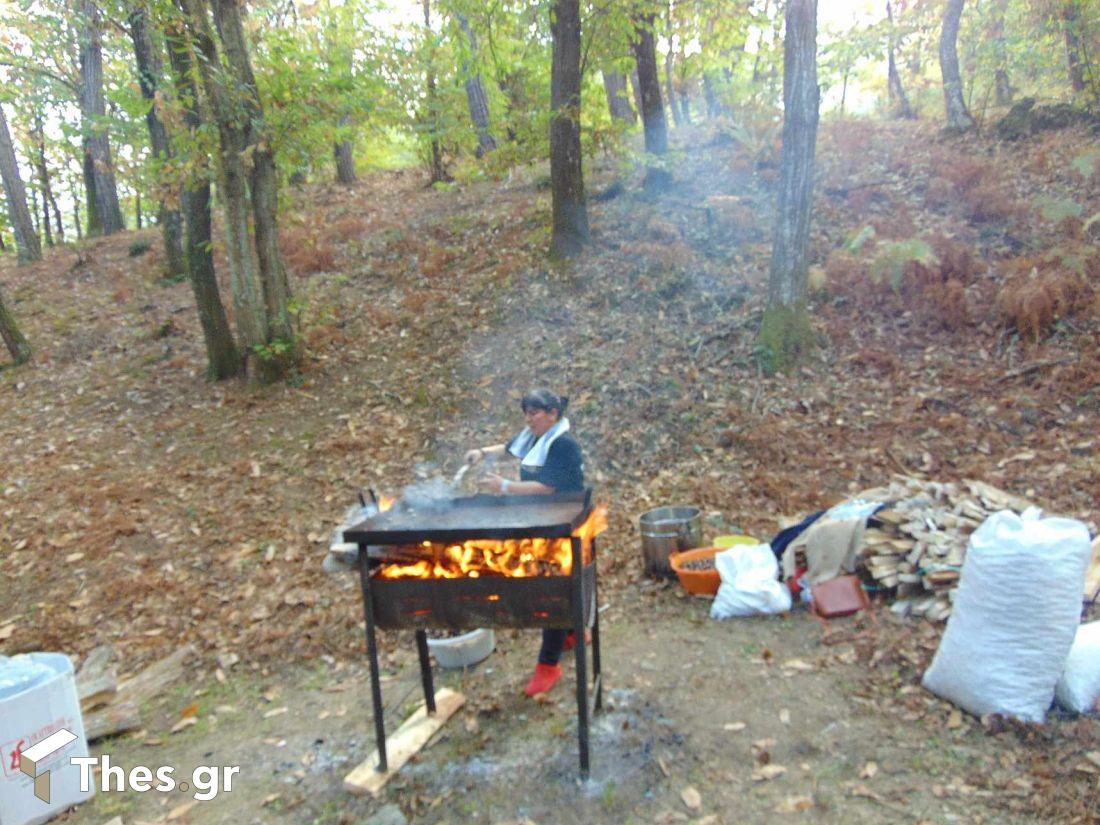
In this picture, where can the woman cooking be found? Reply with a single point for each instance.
(550, 462)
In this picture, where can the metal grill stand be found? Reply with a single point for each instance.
(536, 601)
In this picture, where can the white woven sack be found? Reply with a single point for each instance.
(1015, 614)
(749, 583)
(1079, 688)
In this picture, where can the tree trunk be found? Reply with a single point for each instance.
(264, 183)
(95, 220)
(223, 360)
(26, 242)
(97, 147)
(476, 99)
(958, 118)
(34, 214)
(653, 112)
(149, 72)
(13, 339)
(1071, 28)
(895, 89)
(618, 101)
(438, 170)
(669, 58)
(710, 96)
(345, 159)
(248, 309)
(784, 329)
(570, 231)
(1002, 88)
(74, 196)
(636, 89)
(43, 173)
(137, 210)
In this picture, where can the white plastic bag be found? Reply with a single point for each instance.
(749, 583)
(1014, 617)
(1079, 688)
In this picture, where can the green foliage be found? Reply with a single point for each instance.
(893, 256)
(139, 247)
(1087, 163)
(1056, 210)
(860, 238)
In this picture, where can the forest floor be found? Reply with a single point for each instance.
(146, 508)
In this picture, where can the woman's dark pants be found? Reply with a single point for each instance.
(553, 642)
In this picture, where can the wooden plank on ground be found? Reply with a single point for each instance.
(408, 740)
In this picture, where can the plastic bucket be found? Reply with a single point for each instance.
(667, 530)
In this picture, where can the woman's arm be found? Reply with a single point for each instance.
(479, 454)
(502, 486)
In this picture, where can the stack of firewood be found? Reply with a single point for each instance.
(914, 547)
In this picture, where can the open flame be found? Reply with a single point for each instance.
(494, 557)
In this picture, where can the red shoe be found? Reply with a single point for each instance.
(571, 639)
(546, 676)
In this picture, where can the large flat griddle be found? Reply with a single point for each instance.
(477, 517)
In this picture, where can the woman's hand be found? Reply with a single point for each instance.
(492, 483)
(474, 456)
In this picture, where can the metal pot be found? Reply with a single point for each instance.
(667, 530)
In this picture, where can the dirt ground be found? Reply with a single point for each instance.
(689, 703)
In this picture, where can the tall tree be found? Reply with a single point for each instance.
(476, 99)
(1002, 88)
(1071, 29)
(13, 339)
(26, 241)
(222, 358)
(221, 96)
(149, 72)
(48, 199)
(653, 111)
(435, 159)
(894, 86)
(618, 97)
(264, 190)
(570, 223)
(958, 117)
(670, 56)
(99, 172)
(785, 331)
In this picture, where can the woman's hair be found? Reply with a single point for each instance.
(543, 399)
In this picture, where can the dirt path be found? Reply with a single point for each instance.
(690, 702)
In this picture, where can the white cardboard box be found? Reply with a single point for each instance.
(28, 717)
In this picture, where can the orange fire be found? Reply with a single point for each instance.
(493, 557)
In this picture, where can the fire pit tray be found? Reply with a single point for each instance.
(492, 601)
(476, 517)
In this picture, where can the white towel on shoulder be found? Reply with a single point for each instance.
(533, 450)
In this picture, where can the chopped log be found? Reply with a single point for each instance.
(122, 709)
(117, 717)
(155, 678)
(96, 681)
(409, 739)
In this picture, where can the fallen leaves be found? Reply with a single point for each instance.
(691, 798)
(767, 772)
(794, 805)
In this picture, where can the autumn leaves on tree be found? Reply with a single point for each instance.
(186, 104)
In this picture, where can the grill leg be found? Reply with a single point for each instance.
(425, 669)
(582, 659)
(596, 680)
(372, 654)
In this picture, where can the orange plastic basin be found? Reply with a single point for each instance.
(699, 582)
